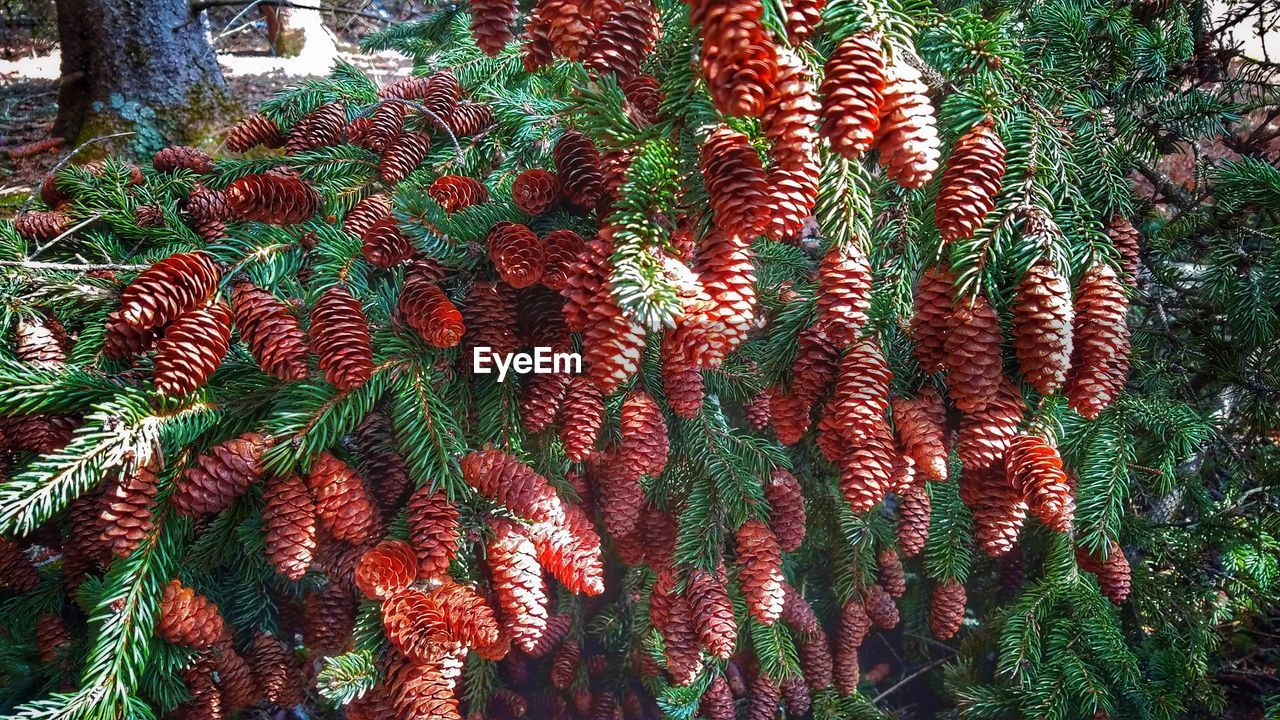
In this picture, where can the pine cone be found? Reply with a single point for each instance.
(866, 471)
(625, 41)
(381, 463)
(564, 666)
(644, 94)
(569, 28)
(862, 390)
(587, 277)
(385, 125)
(343, 506)
(711, 330)
(919, 423)
(368, 211)
(329, 620)
(712, 612)
(571, 551)
(491, 24)
(621, 502)
(490, 318)
(516, 254)
(540, 404)
(191, 349)
(682, 384)
(52, 637)
(973, 359)
(612, 343)
(1113, 572)
(908, 135)
(932, 317)
(844, 293)
(853, 88)
(985, 436)
(891, 575)
(168, 289)
(277, 676)
(1100, 363)
(717, 701)
(456, 192)
(764, 696)
(289, 525)
(180, 157)
(797, 613)
(149, 216)
(536, 191)
(671, 613)
(970, 183)
(42, 226)
(541, 320)
(319, 128)
(578, 169)
(253, 131)
(536, 50)
(880, 607)
(517, 581)
(41, 340)
(1127, 241)
(644, 446)
(125, 511)
(1034, 465)
(208, 212)
(913, 520)
(735, 182)
(17, 572)
(786, 509)
(946, 610)
(403, 156)
(187, 618)
(235, 679)
(271, 331)
(386, 569)
(340, 337)
(424, 307)
(384, 245)
(220, 475)
(38, 433)
(739, 59)
(795, 693)
(789, 122)
(803, 17)
(999, 509)
(760, 560)
(124, 341)
(512, 484)
(423, 690)
(1042, 317)
(759, 412)
(276, 197)
(469, 119)
(561, 249)
(433, 531)
(581, 415)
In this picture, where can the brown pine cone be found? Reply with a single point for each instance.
(42, 226)
(423, 690)
(561, 249)
(208, 212)
(866, 469)
(403, 156)
(220, 475)
(536, 50)
(612, 344)
(491, 24)
(330, 618)
(644, 446)
(919, 422)
(343, 506)
(571, 551)
(149, 216)
(490, 318)
(999, 510)
(932, 317)
(735, 182)
(17, 572)
(275, 671)
(340, 337)
(253, 131)
(764, 696)
(844, 293)
(419, 623)
(456, 192)
(366, 212)
(38, 433)
(1042, 317)
(1127, 241)
(433, 531)
(578, 169)
(786, 509)
(862, 390)
(289, 524)
(624, 41)
(620, 500)
(797, 613)
(569, 28)
(469, 119)
(192, 348)
(853, 88)
(168, 289)
(384, 245)
(1113, 572)
(382, 464)
(276, 197)
(973, 359)
(739, 58)
(1100, 363)
(644, 94)
(424, 307)
(712, 612)
(715, 327)
(40, 340)
(540, 404)
(564, 665)
(206, 699)
(541, 320)
(970, 183)
(235, 679)
(946, 609)
(536, 191)
(880, 607)
(52, 637)
(789, 121)
(1034, 465)
(187, 618)
(908, 135)
(270, 330)
(795, 693)
(319, 128)
(586, 278)
(509, 482)
(125, 510)
(913, 520)
(385, 125)
(803, 17)
(717, 701)
(516, 253)
(581, 416)
(518, 584)
(759, 412)
(671, 613)
(181, 157)
(386, 569)
(984, 436)
(682, 384)
(891, 575)
(124, 341)
(760, 561)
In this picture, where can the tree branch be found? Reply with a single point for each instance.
(206, 4)
(70, 267)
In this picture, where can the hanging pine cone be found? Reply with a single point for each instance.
(125, 510)
(469, 119)
(52, 637)
(803, 17)
(999, 510)
(381, 462)
(253, 131)
(1113, 572)
(913, 520)
(517, 581)
(862, 390)
(970, 183)
(418, 623)
(456, 192)
(570, 551)
(41, 340)
(17, 572)
(712, 612)
(509, 482)
(984, 436)
(187, 618)
(42, 226)
(919, 423)
(561, 249)
(844, 293)
(789, 121)
(624, 41)
(516, 254)
(1127, 241)
(908, 135)
(536, 191)
(220, 475)
(1042, 318)
(581, 416)
(192, 348)
(384, 245)
(343, 506)
(929, 322)
(569, 28)
(386, 569)
(491, 24)
(866, 470)
(612, 343)
(1100, 364)
(578, 168)
(881, 609)
(340, 337)
(585, 281)
(644, 446)
(564, 665)
(403, 156)
(852, 91)
(1034, 466)
(786, 509)
(892, 577)
(168, 289)
(289, 525)
(759, 412)
(330, 618)
(208, 212)
(433, 531)
(973, 359)
(735, 182)
(854, 626)
(275, 671)
(946, 609)
(644, 94)
(181, 157)
(760, 573)
(206, 699)
(319, 128)
(424, 307)
(425, 690)
(739, 59)
(671, 614)
(713, 329)
(621, 500)
(541, 320)
(271, 331)
(536, 50)
(717, 701)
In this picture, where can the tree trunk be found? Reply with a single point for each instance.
(141, 65)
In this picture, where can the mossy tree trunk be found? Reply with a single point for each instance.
(141, 65)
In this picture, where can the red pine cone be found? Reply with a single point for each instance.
(671, 613)
(644, 93)
(187, 618)
(340, 337)
(739, 59)
(123, 341)
(319, 128)
(540, 404)
(984, 436)
(644, 445)
(564, 666)
(425, 690)
(795, 693)
(382, 464)
(803, 17)
(973, 359)
(946, 609)
(517, 581)
(424, 307)
(853, 91)
(760, 560)
(253, 131)
(469, 119)
(735, 182)
(192, 348)
(433, 531)
(913, 520)
(491, 24)
(712, 329)
(624, 41)
(786, 509)
(1042, 317)
(892, 577)
(1100, 364)
(621, 501)
(329, 620)
(149, 216)
(168, 289)
(571, 551)
(343, 506)
(541, 320)
(366, 212)
(125, 512)
(682, 384)
(764, 696)
(815, 660)
(37, 433)
(717, 701)
(208, 212)
(386, 569)
(581, 415)
(509, 482)
(271, 331)
(881, 609)
(289, 524)
(862, 390)
(970, 183)
(239, 689)
(277, 197)
(536, 191)
(181, 157)
(403, 156)
(908, 133)
(384, 245)
(274, 669)
(220, 475)
(789, 122)
(456, 192)
(1113, 572)
(712, 612)
(1127, 241)
(516, 253)
(999, 509)
(490, 318)
(844, 293)
(561, 249)
(569, 28)
(585, 280)
(797, 614)
(536, 50)
(578, 169)
(1035, 466)
(866, 471)
(919, 422)
(929, 323)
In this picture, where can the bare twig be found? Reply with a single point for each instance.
(69, 267)
(65, 233)
(910, 677)
(67, 158)
(206, 4)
